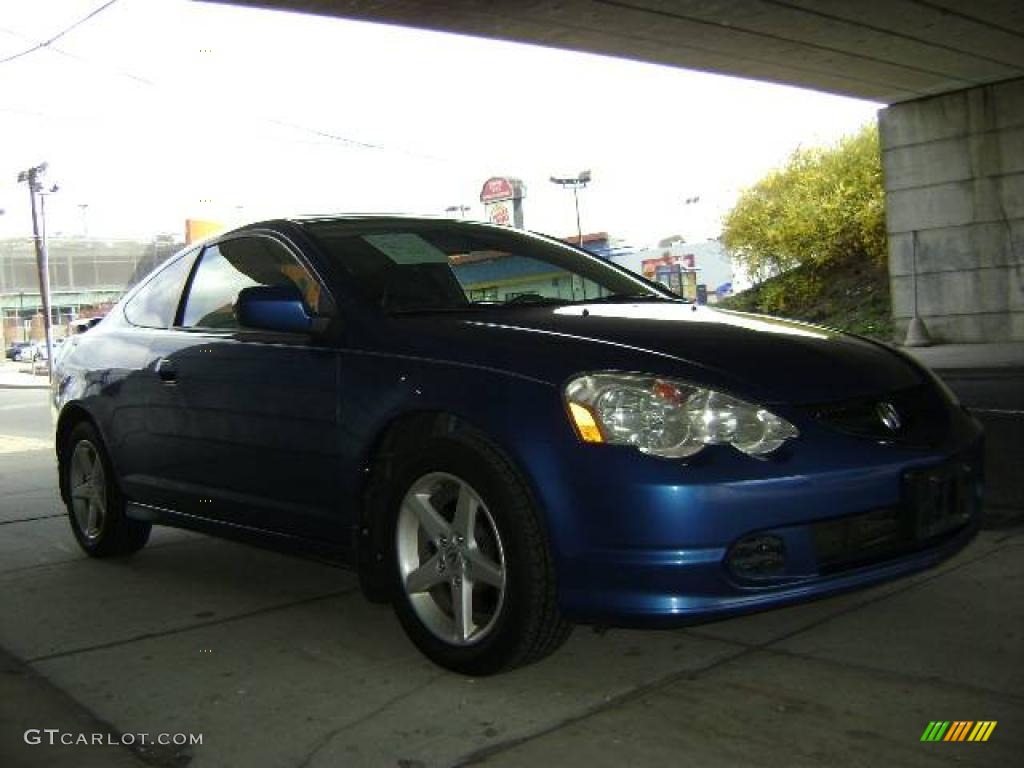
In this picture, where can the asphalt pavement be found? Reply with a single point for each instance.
(273, 660)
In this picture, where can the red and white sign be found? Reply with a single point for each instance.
(497, 189)
(499, 212)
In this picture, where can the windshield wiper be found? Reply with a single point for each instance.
(531, 300)
(433, 310)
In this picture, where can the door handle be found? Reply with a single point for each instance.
(167, 371)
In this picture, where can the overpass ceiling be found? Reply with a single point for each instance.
(882, 50)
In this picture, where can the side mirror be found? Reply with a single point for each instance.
(273, 308)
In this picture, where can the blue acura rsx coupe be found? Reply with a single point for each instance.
(504, 435)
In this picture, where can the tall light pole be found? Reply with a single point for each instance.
(687, 203)
(33, 177)
(43, 194)
(84, 208)
(575, 183)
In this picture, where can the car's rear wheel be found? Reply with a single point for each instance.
(95, 505)
(474, 580)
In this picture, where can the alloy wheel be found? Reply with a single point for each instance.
(451, 559)
(88, 488)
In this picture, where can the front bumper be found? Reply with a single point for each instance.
(647, 605)
(657, 554)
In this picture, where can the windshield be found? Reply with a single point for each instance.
(428, 266)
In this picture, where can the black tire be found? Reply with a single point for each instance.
(114, 534)
(526, 625)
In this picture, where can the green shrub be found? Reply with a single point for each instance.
(826, 205)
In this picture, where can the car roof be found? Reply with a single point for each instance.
(376, 217)
(368, 218)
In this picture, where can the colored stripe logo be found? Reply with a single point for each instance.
(959, 730)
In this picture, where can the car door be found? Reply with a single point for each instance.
(250, 432)
(137, 406)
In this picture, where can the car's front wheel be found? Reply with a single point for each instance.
(475, 586)
(95, 505)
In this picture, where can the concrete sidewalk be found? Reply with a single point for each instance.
(19, 376)
(294, 668)
(29, 703)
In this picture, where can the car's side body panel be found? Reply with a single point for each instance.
(242, 430)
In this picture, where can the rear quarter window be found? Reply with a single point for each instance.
(156, 303)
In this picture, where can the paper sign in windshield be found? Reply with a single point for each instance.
(407, 248)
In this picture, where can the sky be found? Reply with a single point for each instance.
(154, 111)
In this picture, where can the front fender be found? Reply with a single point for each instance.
(523, 416)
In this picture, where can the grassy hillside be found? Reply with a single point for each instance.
(848, 296)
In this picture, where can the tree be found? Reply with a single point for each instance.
(826, 205)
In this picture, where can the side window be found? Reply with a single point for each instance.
(228, 267)
(157, 301)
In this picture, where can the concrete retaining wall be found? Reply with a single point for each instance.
(954, 174)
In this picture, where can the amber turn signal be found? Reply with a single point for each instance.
(586, 424)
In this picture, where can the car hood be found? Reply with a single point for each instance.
(770, 359)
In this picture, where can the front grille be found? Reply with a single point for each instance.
(923, 416)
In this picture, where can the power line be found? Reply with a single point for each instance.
(59, 35)
(83, 59)
(330, 137)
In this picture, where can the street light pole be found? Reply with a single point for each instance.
(46, 248)
(575, 183)
(692, 200)
(579, 227)
(84, 208)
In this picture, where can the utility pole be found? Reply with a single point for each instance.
(32, 177)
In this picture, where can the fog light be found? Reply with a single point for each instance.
(758, 556)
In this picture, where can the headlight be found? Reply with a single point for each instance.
(669, 418)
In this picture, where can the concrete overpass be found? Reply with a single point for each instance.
(950, 71)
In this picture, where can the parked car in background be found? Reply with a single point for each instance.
(37, 353)
(29, 352)
(505, 435)
(14, 348)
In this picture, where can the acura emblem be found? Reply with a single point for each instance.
(889, 416)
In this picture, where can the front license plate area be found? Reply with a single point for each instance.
(861, 539)
(941, 498)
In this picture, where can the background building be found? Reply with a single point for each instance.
(86, 277)
(681, 266)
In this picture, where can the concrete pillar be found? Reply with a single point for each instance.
(954, 173)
